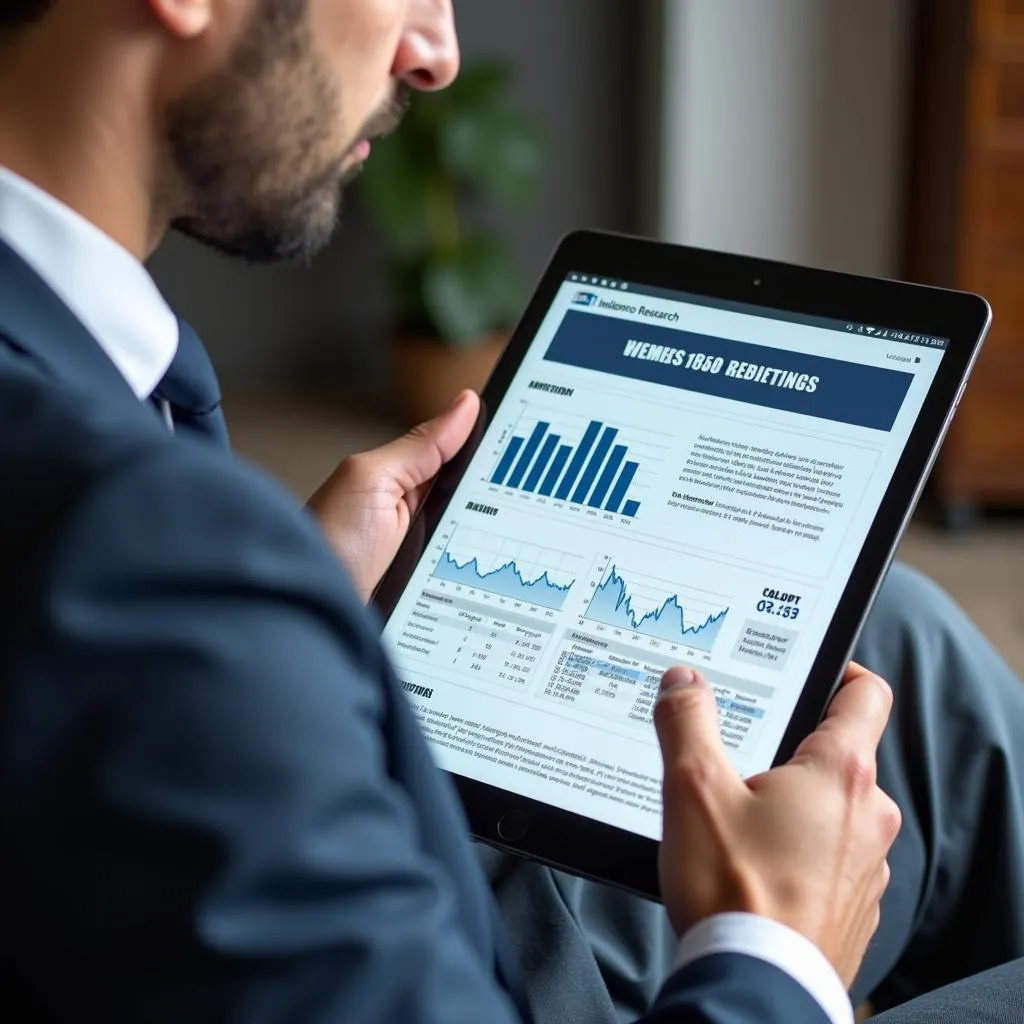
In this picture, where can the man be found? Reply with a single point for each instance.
(215, 802)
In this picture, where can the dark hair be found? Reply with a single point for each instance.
(16, 13)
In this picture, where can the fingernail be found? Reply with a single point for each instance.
(677, 678)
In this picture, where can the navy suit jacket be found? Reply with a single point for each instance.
(215, 802)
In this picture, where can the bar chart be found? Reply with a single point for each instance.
(592, 470)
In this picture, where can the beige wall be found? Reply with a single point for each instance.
(783, 128)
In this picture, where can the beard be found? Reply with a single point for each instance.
(256, 168)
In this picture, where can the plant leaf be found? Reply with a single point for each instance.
(498, 150)
(470, 296)
(498, 279)
(422, 187)
(395, 186)
(480, 85)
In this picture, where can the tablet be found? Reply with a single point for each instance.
(684, 457)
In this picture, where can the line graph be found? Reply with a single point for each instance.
(507, 580)
(679, 618)
(508, 568)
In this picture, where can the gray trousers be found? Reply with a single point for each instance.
(952, 758)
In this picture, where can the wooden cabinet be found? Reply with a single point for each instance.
(966, 225)
(998, 19)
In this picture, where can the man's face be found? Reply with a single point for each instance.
(261, 148)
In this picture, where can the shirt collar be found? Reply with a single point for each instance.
(102, 283)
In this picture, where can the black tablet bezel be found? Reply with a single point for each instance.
(591, 848)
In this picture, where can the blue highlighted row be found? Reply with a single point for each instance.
(619, 673)
(541, 464)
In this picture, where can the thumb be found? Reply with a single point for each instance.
(416, 458)
(686, 718)
(449, 431)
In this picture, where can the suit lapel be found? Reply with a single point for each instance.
(34, 320)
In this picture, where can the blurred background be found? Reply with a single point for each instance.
(882, 137)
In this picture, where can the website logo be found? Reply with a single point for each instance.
(585, 299)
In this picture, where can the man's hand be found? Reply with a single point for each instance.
(365, 508)
(804, 844)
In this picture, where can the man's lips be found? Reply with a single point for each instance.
(362, 150)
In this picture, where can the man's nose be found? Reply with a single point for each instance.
(428, 54)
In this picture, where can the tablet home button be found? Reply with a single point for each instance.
(512, 826)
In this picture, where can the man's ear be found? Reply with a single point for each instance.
(186, 19)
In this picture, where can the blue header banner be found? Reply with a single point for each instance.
(830, 389)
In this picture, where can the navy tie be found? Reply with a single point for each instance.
(191, 390)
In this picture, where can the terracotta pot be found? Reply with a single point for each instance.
(429, 374)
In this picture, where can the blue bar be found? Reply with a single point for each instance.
(506, 461)
(542, 463)
(631, 509)
(528, 453)
(619, 494)
(578, 459)
(556, 467)
(590, 473)
(608, 476)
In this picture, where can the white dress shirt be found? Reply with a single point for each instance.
(776, 944)
(112, 294)
(102, 283)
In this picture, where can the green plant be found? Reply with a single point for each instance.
(427, 188)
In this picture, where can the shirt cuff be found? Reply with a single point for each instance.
(774, 943)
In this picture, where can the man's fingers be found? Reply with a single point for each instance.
(862, 706)
(686, 718)
(416, 458)
(416, 497)
(449, 431)
(854, 724)
(854, 672)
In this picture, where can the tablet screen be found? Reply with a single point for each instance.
(670, 479)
